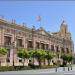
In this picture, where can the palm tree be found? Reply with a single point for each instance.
(23, 53)
(3, 51)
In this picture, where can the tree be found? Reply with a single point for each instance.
(3, 51)
(50, 55)
(23, 53)
(64, 57)
(69, 57)
(44, 54)
(39, 54)
(32, 54)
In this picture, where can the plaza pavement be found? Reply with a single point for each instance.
(60, 71)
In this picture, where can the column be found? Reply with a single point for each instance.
(2, 36)
(11, 57)
(34, 43)
(25, 45)
(55, 48)
(24, 42)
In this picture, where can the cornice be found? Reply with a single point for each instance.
(14, 25)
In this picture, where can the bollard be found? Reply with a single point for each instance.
(71, 67)
(63, 68)
(68, 68)
(56, 69)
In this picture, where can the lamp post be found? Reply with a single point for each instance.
(13, 52)
(64, 51)
(33, 40)
(13, 45)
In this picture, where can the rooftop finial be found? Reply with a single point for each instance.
(33, 27)
(24, 24)
(13, 21)
(1, 17)
(63, 21)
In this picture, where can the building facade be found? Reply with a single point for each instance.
(13, 36)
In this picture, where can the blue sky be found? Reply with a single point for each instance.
(52, 13)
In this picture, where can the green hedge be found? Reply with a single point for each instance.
(6, 68)
(16, 68)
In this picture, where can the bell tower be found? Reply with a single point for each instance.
(63, 29)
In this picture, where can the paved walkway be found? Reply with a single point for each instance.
(60, 71)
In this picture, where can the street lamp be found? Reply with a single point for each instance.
(13, 45)
(64, 51)
(33, 40)
(13, 51)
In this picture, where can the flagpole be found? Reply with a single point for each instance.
(39, 20)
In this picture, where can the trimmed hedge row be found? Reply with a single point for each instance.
(14, 68)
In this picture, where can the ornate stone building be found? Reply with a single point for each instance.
(13, 36)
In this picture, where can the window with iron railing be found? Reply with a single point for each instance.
(57, 49)
(67, 50)
(62, 50)
(7, 40)
(52, 47)
(30, 44)
(19, 42)
(47, 46)
(37, 45)
(42, 46)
